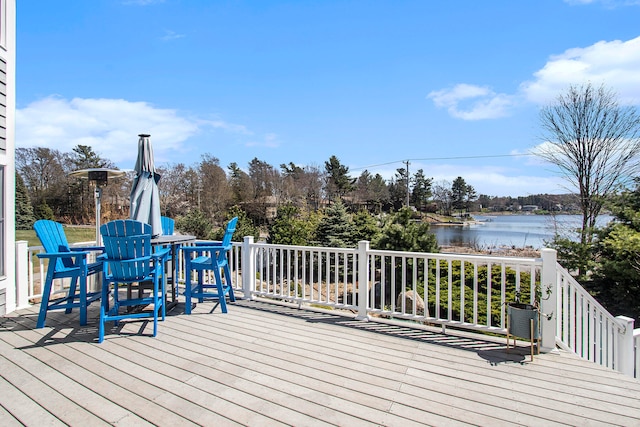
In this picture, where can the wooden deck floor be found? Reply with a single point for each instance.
(266, 364)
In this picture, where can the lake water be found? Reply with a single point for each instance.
(517, 231)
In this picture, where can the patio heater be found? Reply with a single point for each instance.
(100, 177)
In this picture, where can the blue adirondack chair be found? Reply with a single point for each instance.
(168, 225)
(129, 259)
(65, 262)
(209, 256)
(167, 230)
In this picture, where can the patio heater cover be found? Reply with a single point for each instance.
(145, 195)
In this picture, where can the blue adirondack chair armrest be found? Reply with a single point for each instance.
(127, 261)
(135, 261)
(161, 253)
(209, 243)
(75, 254)
(204, 248)
(199, 250)
(87, 248)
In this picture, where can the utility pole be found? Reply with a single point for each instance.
(407, 163)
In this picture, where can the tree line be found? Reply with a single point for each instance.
(210, 189)
(207, 187)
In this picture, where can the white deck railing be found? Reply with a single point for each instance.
(450, 290)
(37, 270)
(589, 330)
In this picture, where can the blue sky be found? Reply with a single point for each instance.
(454, 87)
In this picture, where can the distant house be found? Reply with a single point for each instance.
(7, 155)
(530, 208)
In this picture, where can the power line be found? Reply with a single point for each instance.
(491, 156)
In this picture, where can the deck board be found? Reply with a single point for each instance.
(272, 364)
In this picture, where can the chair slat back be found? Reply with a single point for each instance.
(228, 234)
(168, 225)
(124, 227)
(53, 239)
(226, 240)
(127, 244)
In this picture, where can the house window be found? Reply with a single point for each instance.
(3, 243)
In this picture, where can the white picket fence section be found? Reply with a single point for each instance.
(449, 290)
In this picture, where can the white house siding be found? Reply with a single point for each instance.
(7, 155)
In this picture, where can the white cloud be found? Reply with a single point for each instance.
(171, 35)
(497, 181)
(110, 127)
(615, 63)
(470, 102)
(269, 140)
(227, 127)
(514, 180)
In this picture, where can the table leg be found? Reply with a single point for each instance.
(174, 277)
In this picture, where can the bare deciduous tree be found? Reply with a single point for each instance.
(594, 142)
(442, 195)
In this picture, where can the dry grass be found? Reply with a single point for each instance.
(74, 234)
(500, 251)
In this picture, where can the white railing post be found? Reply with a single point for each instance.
(549, 296)
(22, 275)
(248, 268)
(625, 359)
(363, 279)
(636, 352)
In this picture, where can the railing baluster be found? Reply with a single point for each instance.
(489, 284)
(503, 291)
(449, 289)
(462, 291)
(437, 313)
(475, 292)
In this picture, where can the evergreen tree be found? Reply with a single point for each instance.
(339, 183)
(459, 193)
(84, 157)
(365, 227)
(24, 211)
(400, 233)
(292, 227)
(398, 189)
(470, 197)
(421, 191)
(373, 191)
(196, 223)
(336, 228)
(615, 273)
(244, 226)
(241, 185)
(43, 211)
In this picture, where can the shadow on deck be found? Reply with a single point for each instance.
(274, 364)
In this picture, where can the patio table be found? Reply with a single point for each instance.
(175, 241)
